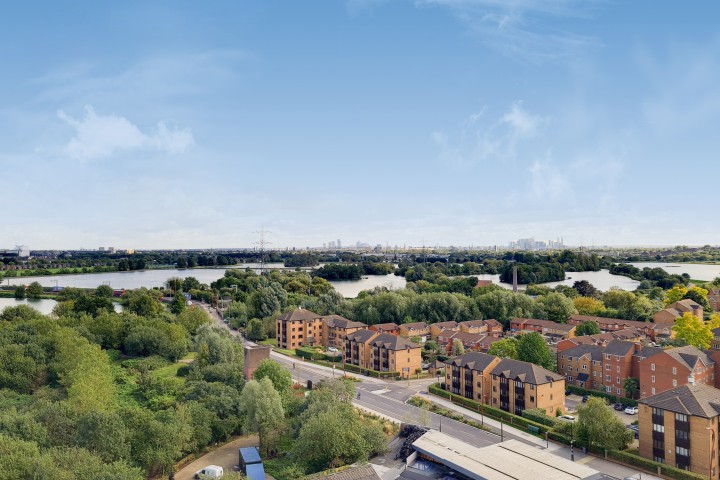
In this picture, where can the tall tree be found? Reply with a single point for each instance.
(533, 348)
(590, 327)
(556, 307)
(598, 426)
(457, 348)
(280, 378)
(693, 331)
(263, 409)
(585, 288)
(505, 348)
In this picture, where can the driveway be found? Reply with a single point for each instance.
(225, 456)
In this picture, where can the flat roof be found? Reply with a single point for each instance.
(250, 455)
(255, 471)
(509, 460)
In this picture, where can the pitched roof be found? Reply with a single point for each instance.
(473, 360)
(525, 372)
(608, 321)
(689, 356)
(451, 323)
(415, 325)
(385, 326)
(467, 337)
(687, 303)
(647, 352)
(299, 314)
(544, 324)
(699, 400)
(591, 350)
(362, 336)
(473, 323)
(619, 348)
(342, 322)
(491, 322)
(392, 342)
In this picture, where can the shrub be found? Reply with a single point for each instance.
(649, 465)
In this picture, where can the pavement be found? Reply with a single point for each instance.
(225, 456)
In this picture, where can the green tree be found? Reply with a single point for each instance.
(193, 318)
(175, 284)
(104, 434)
(533, 348)
(631, 386)
(280, 377)
(589, 306)
(590, 327)
(693, 331)
(263, 409)
(178, 304)
(104, 291)
(597, 426)
(505, 348)
(256, 330)
(585, 288)
(556, 307)
(35, 290)
(20, 292)
(457, 348)
(190, 283)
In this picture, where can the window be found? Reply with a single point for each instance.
(607, 356)
(532, 399)
(618, 391)
(551, 396)
(569, 368)
(658, 428)
(607, 378)
(659, 444)
(495, 389)
(532, 387)
(617, 380)
(479, 384)
(674, 383)
(658, 459)
(674, 370)
(652, 367)
(681, 434)
(680, 417)
(682, 451)
(569, 358)
(584, 367)
(658, 411)
(607, 367)
(562, 357)
(608, 389)
(653, 390)
(495, 400)
(652, 379)
(618, 368)
(570, 378)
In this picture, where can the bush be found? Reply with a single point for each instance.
(539, 416)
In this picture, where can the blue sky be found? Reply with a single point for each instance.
(187, 124)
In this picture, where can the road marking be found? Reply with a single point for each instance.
(380, 392)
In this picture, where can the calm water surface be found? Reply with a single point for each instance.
(44, 306)
(698, 271)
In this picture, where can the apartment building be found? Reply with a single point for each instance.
(552, 331)
(679, 427)
(489, 326)
(517, 386)
(391, 328)
(677, 309)
(335, 328)
(659, 329)
(715, 345)
(297, 328)
(582, 366)
(602, 339)
(660, 370)
(436, 328)
(714, 298)
(470, 341)
(382, 352)
(414, 329)
(508, 384)
(469, 375)
(617, 366)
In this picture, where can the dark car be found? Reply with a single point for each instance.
(635, 430)
(585, 398)
(619, 407)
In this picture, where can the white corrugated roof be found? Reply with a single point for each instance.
(510, 460)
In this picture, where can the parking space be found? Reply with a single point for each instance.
(572, 402)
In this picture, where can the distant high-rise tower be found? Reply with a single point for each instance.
(339, 244)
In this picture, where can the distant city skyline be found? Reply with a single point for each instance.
(453, 122)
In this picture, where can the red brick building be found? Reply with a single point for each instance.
(660, 370)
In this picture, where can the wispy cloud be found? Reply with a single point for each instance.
(481, 139)
(520, 28)
(98, 136)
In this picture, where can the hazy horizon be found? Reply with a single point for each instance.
(450, 122)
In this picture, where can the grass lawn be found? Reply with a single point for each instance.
(269, 341)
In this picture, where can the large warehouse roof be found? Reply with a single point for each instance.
(509, 460)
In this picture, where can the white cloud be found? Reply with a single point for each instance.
(98, 136)
(517, 28)
(481, 139)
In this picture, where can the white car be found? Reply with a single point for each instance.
(631, 410)
(567, 418)
(333, 350)
(211, 472)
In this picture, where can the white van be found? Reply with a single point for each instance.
(212, 472)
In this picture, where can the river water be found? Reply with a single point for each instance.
(697, 271)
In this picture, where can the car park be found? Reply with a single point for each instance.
(631, 410)
(635, 430)
(211, 472)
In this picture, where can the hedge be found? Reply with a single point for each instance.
(370, 373)
(539, 416)
(598, 393)
(313, 355)
(651, 466)
(488, 410)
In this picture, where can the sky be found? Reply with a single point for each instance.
(184, 124)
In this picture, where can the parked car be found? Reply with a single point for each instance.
(631, 410)
(566, 418)
(567, 393)
(619, 407)
(585, 398)
(211, 472)
(332, 349)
